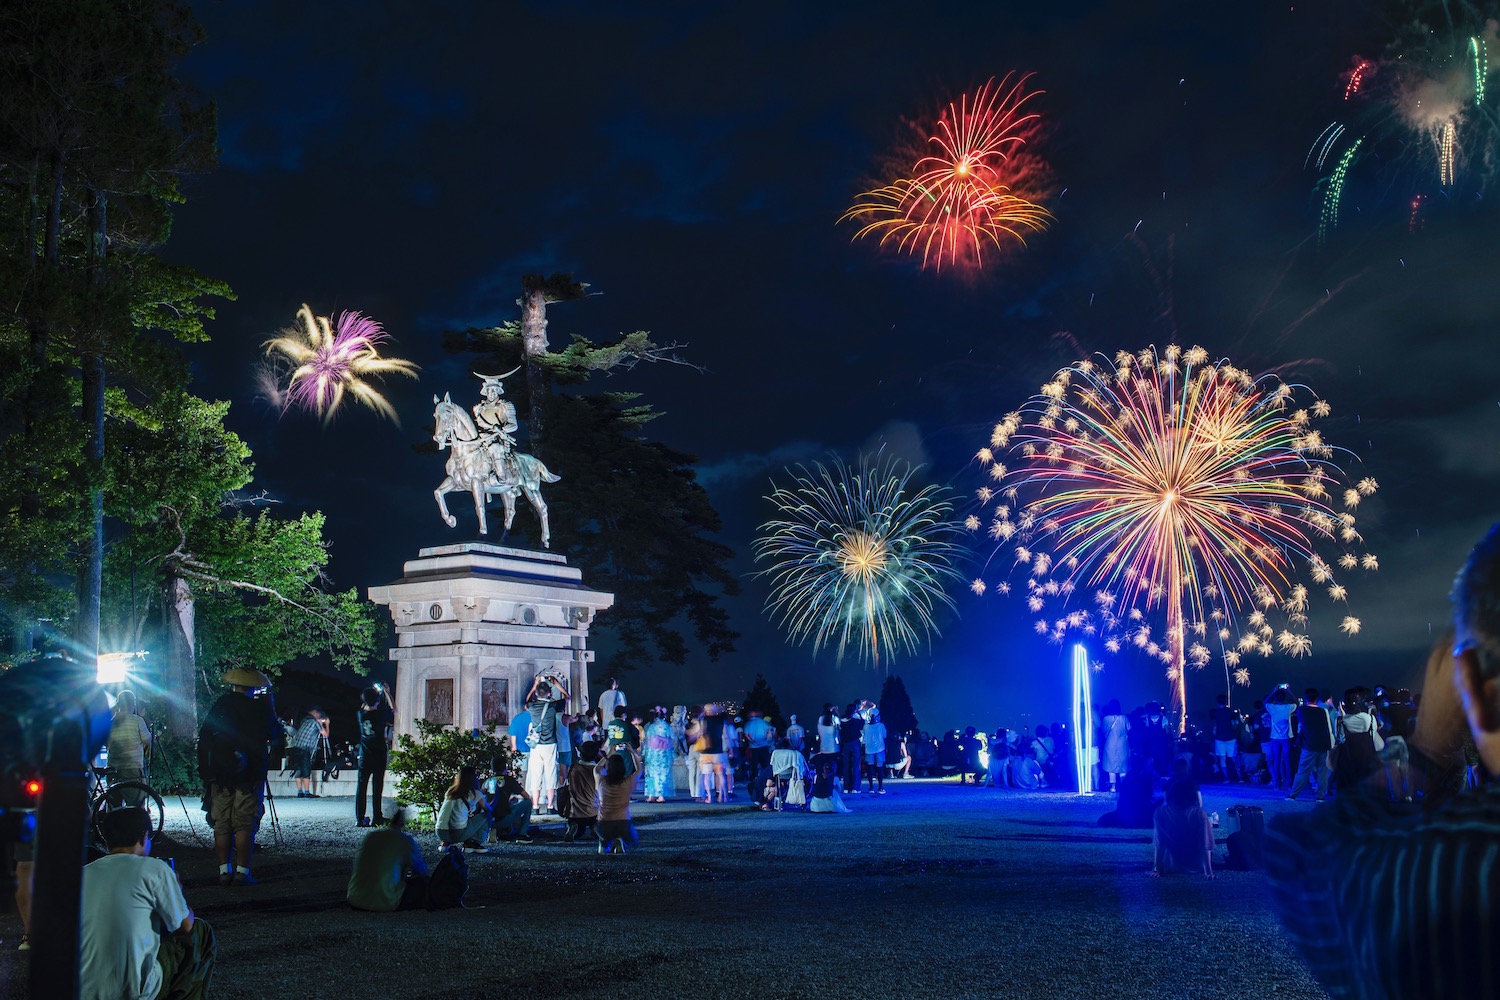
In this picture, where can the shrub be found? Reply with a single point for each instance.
(424, 767)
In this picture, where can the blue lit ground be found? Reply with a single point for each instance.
(930, 891)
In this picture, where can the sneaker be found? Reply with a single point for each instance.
(523, 838)
(568, 837)
(25, 944)
(364, 821)
(226, 878)
(472, 844)
(244, 878)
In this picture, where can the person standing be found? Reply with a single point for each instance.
(1359, 754)
(760, 736)
(545, 701)
(304, 744)
(1223, 723)
(658, 756)
(874, 746)
(233, 746)
(377, 717)
(1316, 727)
(713, 760)
(796, 735)
(851, 749)
(1115, 759)
(611, 699)
(828, 731)
(389, 873)
(139, 940)
(129, 739)
(1279, 706)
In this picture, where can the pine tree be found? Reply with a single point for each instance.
(895, 707)
(763, 700)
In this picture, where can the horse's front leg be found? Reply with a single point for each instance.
(446, 487)
(478, 491)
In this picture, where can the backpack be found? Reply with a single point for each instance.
(450, 881)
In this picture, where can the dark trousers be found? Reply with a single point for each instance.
(852, 761)
(187, 962)
(1313, 760)
(760, 767)
(371, 769)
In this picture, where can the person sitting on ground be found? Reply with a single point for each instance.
(1026, 771)
(389, 873)
(1183, 835)
(899, 754)
(506, 799)
(138, 937)
(1137, 801)
(583, 793)
(825, 790)
(616, 776)
(464, 819)
(971, 744)
(924, 754)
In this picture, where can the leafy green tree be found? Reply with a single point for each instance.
(94, 133)
(425, 767)
(629, 511)
(762, 699)
(895, 706)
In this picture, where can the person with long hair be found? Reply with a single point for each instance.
(1114, 760)
(658, 755)
(464, 818)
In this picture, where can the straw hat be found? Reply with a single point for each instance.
(245, 677)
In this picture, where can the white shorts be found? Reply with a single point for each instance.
(541, 770)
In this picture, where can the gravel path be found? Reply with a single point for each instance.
(933, 890)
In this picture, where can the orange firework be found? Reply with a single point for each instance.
(968, 190)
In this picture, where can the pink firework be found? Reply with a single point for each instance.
(329, 359)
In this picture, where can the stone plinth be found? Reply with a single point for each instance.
(475, 624)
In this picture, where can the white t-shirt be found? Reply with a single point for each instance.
(128, 903)
(828, 736)
(611, 699)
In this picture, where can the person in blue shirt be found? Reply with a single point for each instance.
(519, 727)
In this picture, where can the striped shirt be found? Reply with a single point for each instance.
(1387, 900)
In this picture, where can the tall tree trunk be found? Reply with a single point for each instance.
(54, 205)
(91, 362)
(179, 674)
(534, 347)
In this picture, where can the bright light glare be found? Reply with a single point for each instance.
(1083, 721)
(114, 667)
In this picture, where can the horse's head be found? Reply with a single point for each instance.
(450, 423)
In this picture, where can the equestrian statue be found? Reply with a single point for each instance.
(483, 460)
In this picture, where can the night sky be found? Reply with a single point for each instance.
(690, 161)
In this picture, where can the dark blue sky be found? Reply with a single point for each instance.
(691, 160)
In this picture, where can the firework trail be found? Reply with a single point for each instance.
(1189, 497)
(327, 360)
(858, 557)
(970, 191)
(1328, 219)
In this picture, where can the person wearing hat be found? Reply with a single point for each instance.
(232, 757)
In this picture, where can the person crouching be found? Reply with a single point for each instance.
(389, 873)
(616, 776)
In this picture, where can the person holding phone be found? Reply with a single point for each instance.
(377, 718)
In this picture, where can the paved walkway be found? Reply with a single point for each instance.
(930, 891)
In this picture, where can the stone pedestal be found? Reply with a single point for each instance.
(475, 624)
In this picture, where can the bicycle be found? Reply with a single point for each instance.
(106, 794)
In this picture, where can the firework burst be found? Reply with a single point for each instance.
(970, 191)
(859, 557)
(1178, 489)
(312, 365)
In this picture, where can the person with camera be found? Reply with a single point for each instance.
(139, 938)
(377, 717)
(129, 740)
(1395, 899)
(233, 751)
(303, 746)
(544, 702)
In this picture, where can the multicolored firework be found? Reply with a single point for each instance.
(323, 360)
(858, 556)
(970, 190)
(1432, 87)
(1187, 495)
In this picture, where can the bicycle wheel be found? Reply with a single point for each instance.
(126, 793)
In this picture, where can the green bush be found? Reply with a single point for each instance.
(425, 767)
(174, 765)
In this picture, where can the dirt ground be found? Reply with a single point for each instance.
(933, 890)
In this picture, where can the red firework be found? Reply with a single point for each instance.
(970, 189)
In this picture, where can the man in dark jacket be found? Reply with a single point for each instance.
(851, 748)
(233, 744)
(1315, 726)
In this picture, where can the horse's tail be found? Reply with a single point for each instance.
(535, 464)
